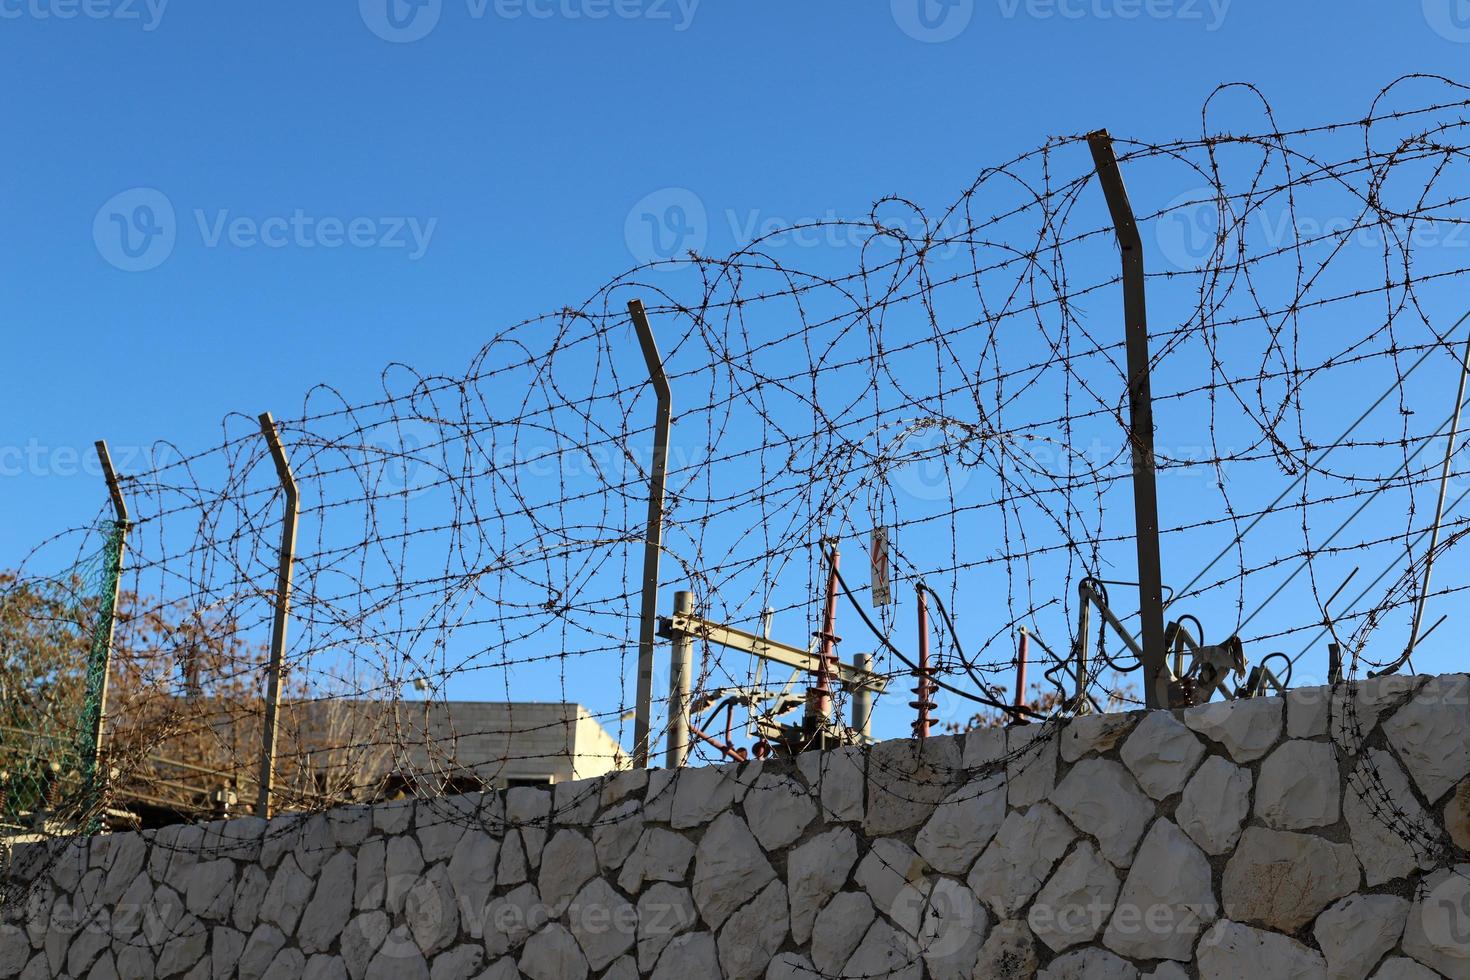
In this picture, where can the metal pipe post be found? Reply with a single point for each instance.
(819, 695)
(1141, 421)
(653, 535)
(1022, 650)
(923, 690)
(681, 676)
(283, 609)
(100, 668)
(862, 700)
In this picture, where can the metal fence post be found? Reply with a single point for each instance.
(283, 608)
(862, 700)
(681, 678)
(1141, 421)
(653, 536)
(99, 669)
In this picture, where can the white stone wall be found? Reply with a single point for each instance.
(1317, 835)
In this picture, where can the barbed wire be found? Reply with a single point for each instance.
(955, 378)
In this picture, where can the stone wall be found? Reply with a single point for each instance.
(1315, 835)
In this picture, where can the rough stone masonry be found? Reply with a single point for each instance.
(1323, 834)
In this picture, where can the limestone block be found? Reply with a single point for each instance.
(1231, 951)
(889, 869)
(729, 870)
(1283, 880)
(907, 778)
(1403, 968)
(1161, 753)
(1247, 729)
(1306, 711)
(361, 939)
(1299, 786)
(1457, 815)
(471, 873)
(815, 871)
(1432, 734)
(370, 874)
(685, 957)
(840, 926)
(754, 934)
(1075, 902)
(287, 895)
(1094, 734)
(1020, 858)
(211, 887)
(330, 907)
(837, 777)
(568, 864)
(616, 833)
(1031, 763)
(954, 926)
(1390, 832)
(778, 809)
(393, 818)
(1356, 932)
(1008, 953)
(660, 855)
(664, 911)
(1437, 932)
(604, 923)
(260, 949)
(885, 952)
(552, 954)
(510, 919)
(1167, 900)
(431, 913)
(324, 966)
(963, 824)
(703, 793)
(185, 947)
(1102, 799)
(1089, 964)
(398, 959)
(402, 866)
(1215, 804)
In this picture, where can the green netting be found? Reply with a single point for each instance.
(54, 640)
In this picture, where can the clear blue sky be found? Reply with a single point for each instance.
(517, 139)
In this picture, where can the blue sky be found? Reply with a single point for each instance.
(404, 196)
